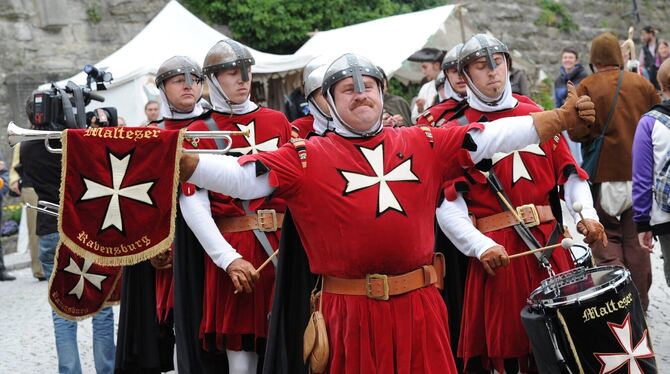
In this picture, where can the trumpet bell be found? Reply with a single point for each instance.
(16, 134)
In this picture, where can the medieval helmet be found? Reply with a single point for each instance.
(354, 66)
(451, 58)
(178, 65)
(481, 45)
(605, 50)
(228, 54)
(312, 75)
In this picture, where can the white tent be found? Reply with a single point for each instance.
(174, 31)
(389, 41)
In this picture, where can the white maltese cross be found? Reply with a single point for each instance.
(386, 199)
(138, 192)
(95, 279)
(611, 362)
(253, 148)
(519, 169)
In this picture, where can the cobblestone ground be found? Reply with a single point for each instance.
(27, 339)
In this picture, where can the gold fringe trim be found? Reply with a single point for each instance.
(572, 344)
(148, 253)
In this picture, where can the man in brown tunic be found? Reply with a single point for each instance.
(612, 177)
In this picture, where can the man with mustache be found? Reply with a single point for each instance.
(238, 236)
(362, 199)
(454, 93)
(491, 334)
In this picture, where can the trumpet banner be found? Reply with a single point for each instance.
(79, 288)
(118, 193)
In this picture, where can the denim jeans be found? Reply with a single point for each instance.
(66, 330)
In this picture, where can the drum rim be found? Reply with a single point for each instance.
(553, 303)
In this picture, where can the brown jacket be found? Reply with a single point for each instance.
(636, 97)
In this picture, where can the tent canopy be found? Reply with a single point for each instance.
(389, 41)
(174, 31)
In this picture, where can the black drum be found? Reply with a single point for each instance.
(581, 255)
(589, 321)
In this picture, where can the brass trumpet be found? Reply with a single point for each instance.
(16, 134)
(45, 207)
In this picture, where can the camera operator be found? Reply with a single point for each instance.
(44, 170)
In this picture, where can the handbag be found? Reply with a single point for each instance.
(316, 349)
(591, 153)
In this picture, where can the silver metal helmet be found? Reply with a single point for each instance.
(354, 66)
(178, 65)
(481, 45)
(439, 81)
(312, 75)
(228, 54)
(451, 58)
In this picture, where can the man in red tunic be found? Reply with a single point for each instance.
(145, 338)
(492, 335)
(363, 200)
(318, 120)
(237, 235)
(454, 93)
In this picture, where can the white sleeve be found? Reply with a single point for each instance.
(576, 189)
(198, 215)
(503, 135)
(452, 216)
(223, 174)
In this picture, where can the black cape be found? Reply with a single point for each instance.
(143, 346)
(294, 283)
(189, 277)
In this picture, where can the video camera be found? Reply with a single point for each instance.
(59, 108)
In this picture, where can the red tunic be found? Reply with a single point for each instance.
(226, 316)
(491, 326)
(302, 127)
(439, 114)
(364, 206)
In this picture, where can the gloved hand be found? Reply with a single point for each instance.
(592, 230)
(575, 111)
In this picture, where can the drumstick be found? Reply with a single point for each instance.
(509, 206)
(263, 265)
(565, 243)
(577, 207)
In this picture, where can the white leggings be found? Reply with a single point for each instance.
(242, 362)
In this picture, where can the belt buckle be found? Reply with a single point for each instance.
(368, 286)
(520, 211)
(265, 215)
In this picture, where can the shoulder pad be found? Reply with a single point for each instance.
(301, 147)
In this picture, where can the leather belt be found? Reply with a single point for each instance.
(381, 287)
(265, 220)
(531, 214)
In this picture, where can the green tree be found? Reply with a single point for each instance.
(282, 26)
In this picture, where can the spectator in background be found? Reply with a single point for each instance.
(396, 109)
(152, 109)
(518, 79)
(612, 175)
(648, 54)
(431, 65)
(651, 157)
(4, 187)
(23, 187)
(571, 70)
(662, 54)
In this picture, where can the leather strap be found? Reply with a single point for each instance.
(381, 287)
(507, 219)
(247, 223)
(211, 125)
(259, 232)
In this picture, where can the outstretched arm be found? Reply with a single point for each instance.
(223, 174)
